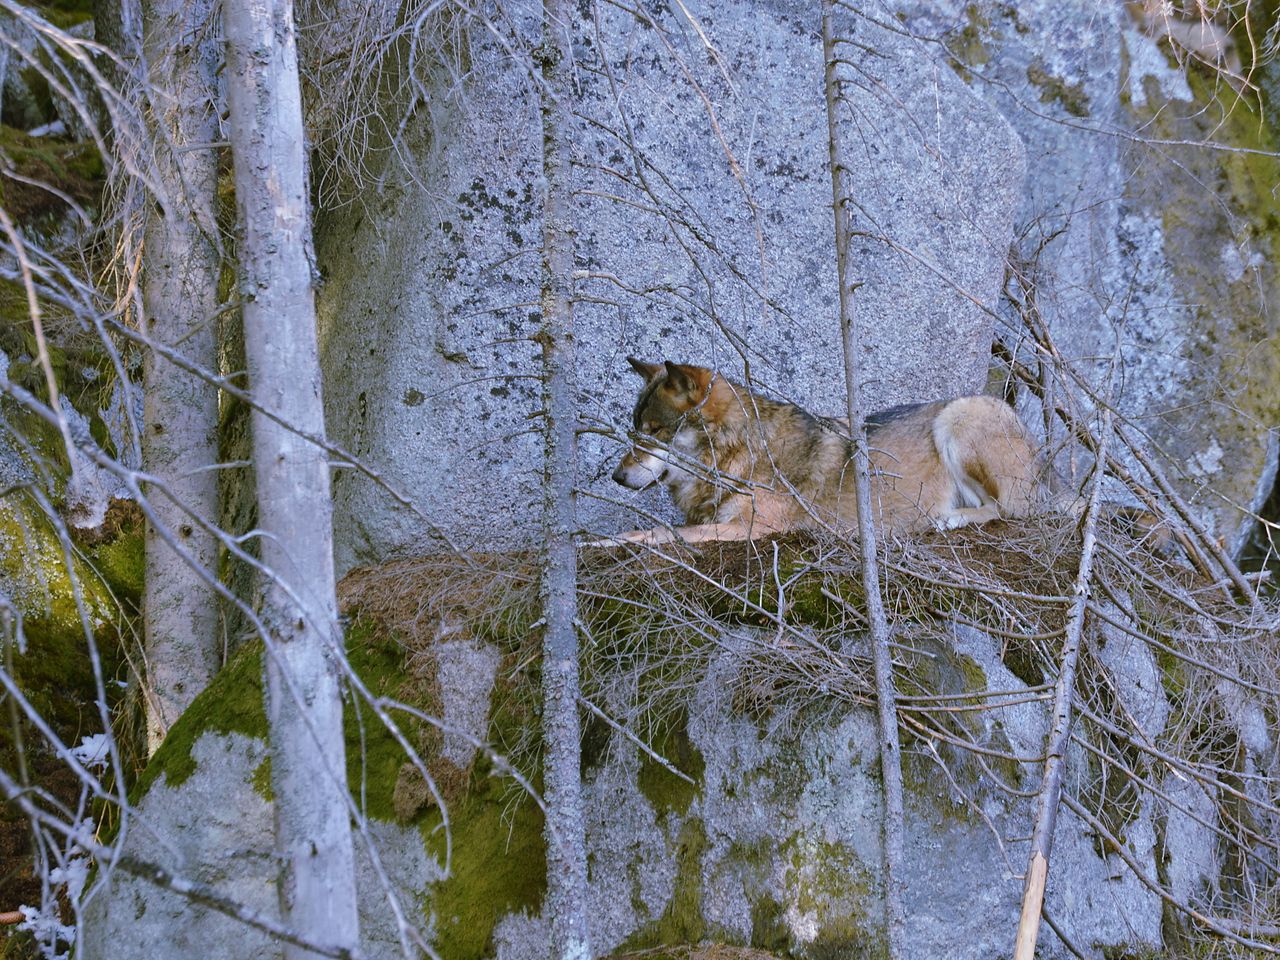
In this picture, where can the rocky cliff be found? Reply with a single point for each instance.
(730, 768)
(1061, 161)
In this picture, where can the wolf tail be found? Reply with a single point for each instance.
(985, 449)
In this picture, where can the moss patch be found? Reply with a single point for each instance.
(373, 754)
(55, 671)
(117, 550)
(969, 45)
(1053, 89)
(768, 925)
(682, 921)
(65, 13)
(73, 169)
(232, 703)
(499, 867)
(827, 880)
(667, 792)
(498, 852)
(34, 568)
(262, 780)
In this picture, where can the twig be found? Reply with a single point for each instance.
(1188, 516)
(653, 755)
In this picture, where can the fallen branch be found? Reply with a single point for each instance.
(1059, 736)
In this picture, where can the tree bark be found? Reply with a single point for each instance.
(304, 706)
(566, 846)
(882, 655)
(180, 302)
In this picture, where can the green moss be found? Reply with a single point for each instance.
(1173, 676)
(498, 852)
(830, 881)
(769, 930)
(969, 44)
(973, 677)
(499, 867)
(35, 440)
(33, 566)
(682, 921)
(948, 673)
(262, 780)
(667, 792)
(232, 703)
(121, 562)
(374, 755)
(65, 13)
(75, 169)
(55, 672)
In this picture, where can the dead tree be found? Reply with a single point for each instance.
(566, 846)
(304, 705)
(882, 655)
(180, 299)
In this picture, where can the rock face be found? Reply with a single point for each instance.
(217, 829)
(786, 828)
(706, 236)
(751, 815)
(777, 845)
(1148, 227)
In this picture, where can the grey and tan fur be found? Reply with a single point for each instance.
(740, 465)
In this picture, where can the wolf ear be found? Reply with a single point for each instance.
(646, 370)
(683, 378)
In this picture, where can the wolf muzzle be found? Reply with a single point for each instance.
(640, 469)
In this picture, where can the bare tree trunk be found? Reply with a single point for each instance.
(566, 846)
(1060, 735)
(180, 301)
(882, 655)
(304, 706)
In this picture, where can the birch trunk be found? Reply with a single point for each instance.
(304, 706)
(566, 847)
(882, 655)
(180, 301)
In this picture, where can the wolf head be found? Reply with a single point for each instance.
(670, 403)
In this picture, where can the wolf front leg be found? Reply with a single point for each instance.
(695, 533)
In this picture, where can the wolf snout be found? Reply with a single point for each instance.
(639, 474)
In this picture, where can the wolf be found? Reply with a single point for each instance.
(740, 465)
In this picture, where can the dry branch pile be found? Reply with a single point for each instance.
(791, 608)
